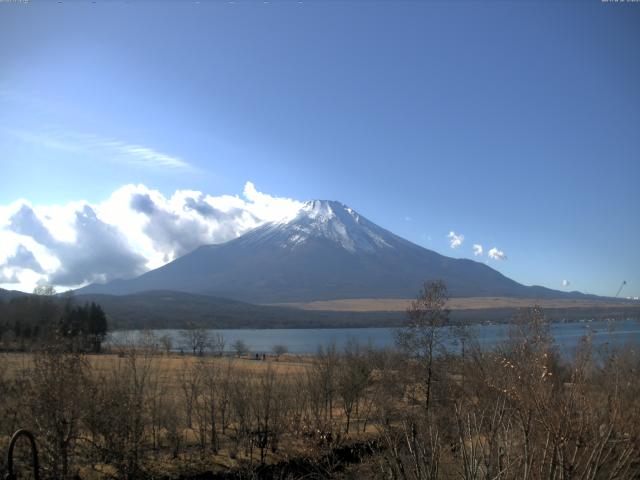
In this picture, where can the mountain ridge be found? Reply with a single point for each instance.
(326, 251)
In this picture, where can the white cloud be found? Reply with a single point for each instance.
(147, 156)
(565, 283)
(455, 240)
(496, 254)
(267, 207)
(134, 230)
(477, 250)
(115, 150)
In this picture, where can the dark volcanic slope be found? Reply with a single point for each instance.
(328, 251)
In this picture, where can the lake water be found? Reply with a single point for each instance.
(307, 341)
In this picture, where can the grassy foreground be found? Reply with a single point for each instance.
(517, 411)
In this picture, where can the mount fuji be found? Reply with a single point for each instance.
(327, 251)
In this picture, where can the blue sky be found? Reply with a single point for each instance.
(514, 124)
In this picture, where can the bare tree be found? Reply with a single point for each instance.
(196, 339)
(190, 384)
(155, 403)
(217, 344)
(240, 347)
(118, 416)
(167, 343)
(268, 412)
(321, 383)
(57, 403)
(211, 376)
(353, 379)
(240, 402)
(223, 392)
(422, 330)
(148, 341)
(279, 350)
(44, 290)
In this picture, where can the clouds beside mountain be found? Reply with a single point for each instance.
(24, 259)
(134, 230)
(327, 251)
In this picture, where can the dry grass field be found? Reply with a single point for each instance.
(136, 412)
(468, 303)
(176, 400)
(171, 365)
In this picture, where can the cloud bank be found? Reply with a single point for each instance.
(136, 229)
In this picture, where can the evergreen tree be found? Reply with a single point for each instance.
(97, 326)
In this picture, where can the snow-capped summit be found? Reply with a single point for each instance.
(321, 210)
(328, 220)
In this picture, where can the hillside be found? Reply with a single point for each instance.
(166, 309)
(6, 295)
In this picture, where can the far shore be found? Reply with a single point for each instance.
(466, 303)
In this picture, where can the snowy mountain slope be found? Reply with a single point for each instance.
(326, 220)
(327, 251)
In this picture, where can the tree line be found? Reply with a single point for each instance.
(31, 321)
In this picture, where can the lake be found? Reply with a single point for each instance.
(307, 341)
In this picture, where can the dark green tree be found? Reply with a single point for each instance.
(97, 326)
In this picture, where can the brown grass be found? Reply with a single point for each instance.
(168, 370)
(171, 365)
(467, 303)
